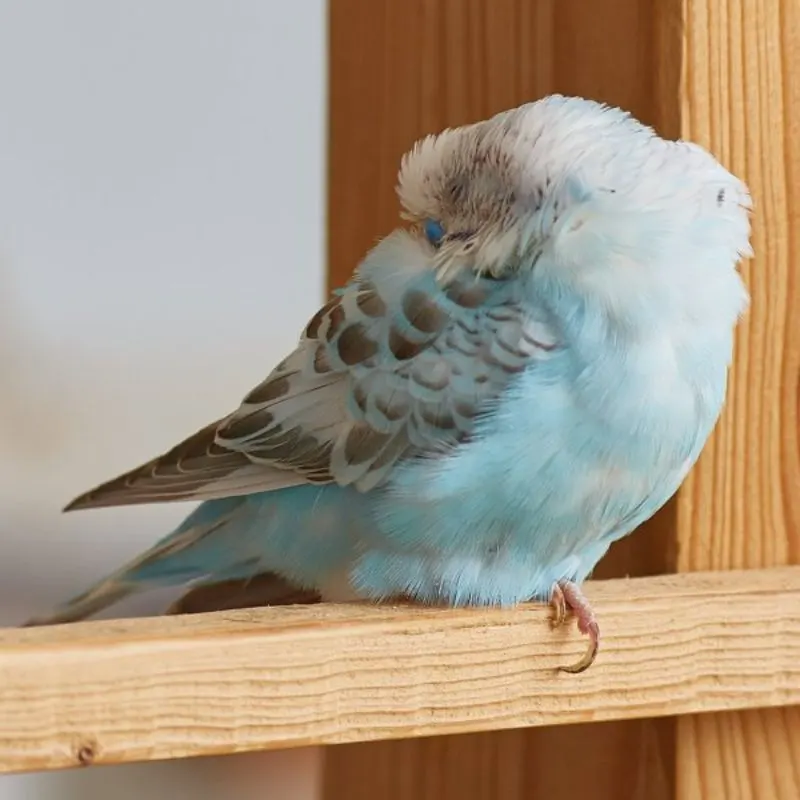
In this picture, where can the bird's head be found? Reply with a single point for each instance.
(576, 191)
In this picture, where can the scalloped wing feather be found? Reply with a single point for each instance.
(195, 469)
(396, 365)
(387, 370)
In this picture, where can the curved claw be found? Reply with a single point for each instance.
(591, 653)
(568, 595)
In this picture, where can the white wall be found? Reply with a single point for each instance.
(161, 243)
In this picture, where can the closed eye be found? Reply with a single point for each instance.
(434, 232)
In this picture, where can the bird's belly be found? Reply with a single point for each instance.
(531, 502)
(500, 543)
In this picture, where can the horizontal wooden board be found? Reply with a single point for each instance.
(131, 690)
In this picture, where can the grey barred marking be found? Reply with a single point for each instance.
(370, 383)
(312, 329)
(403, 349)
(467, 296)
(354, 345)
(423, 312)
(247, 425)
(370, 302)
(270, 389)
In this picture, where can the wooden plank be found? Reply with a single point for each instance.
(741, 507)
(129, 690)
(507, 765)
(400, 69)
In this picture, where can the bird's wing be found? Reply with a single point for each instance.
(195, 469)
(394, 365)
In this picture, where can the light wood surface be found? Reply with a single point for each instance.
(127, 690)
(741, 506)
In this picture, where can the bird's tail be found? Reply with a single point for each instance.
(189, 553)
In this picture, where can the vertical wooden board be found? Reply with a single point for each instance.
(741, 505)
(400, 69)
(506, 765)
(471, 766)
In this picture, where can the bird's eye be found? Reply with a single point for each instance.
(434, 232)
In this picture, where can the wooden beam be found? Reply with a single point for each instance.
(741, 505)
(131, 690)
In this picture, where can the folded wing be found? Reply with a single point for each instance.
(396, 365)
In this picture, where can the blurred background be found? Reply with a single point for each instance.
(162, 235)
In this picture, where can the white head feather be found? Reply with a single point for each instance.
(584, 194)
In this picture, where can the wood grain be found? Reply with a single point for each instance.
(504, 765)
(741, 506)
(400, 69)
(129, 690)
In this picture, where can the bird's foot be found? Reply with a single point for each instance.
(559, 603)
(567, 596)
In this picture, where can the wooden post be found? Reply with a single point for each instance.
(741, 505)
(400, 69)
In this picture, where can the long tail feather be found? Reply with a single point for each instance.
(97, 598)
(175, 560)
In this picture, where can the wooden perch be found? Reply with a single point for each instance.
(131, 690)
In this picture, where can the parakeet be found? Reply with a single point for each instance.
(515, 378)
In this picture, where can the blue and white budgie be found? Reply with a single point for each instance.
(514, 381)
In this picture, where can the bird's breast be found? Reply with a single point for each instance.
(573, 453)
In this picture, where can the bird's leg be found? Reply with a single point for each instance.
(568, 595)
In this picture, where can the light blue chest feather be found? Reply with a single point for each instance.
(583, 447)
(539, 497)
